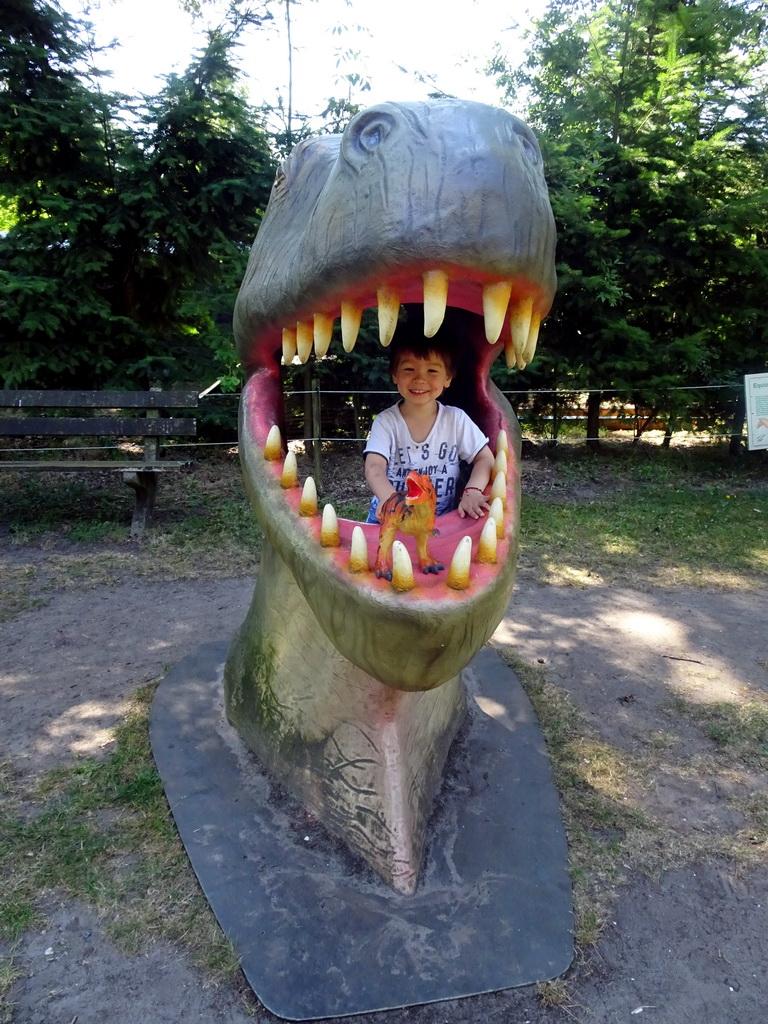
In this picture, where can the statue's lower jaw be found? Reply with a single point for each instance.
(348, 691)
(366, 759)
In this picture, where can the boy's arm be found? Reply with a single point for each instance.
(473, 502)
(376, 476)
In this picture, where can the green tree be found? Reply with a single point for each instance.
(192, 202)
(56, 165)
(123, 233)
(653, 119)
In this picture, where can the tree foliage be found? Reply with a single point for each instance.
(653, 122)
(125, 229)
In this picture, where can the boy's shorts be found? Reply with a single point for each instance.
(372, 512)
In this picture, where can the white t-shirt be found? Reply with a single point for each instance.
(453, 437)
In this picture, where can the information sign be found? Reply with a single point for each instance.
(756, 391)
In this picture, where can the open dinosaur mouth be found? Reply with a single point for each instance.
(467, 334)
(332, 558)
(472, 262)
(413, 490)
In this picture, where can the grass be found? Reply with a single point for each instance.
(594, 780)
(100, 829)
(9, 973)
(203, 528)
(16, 593)
(739, 730)
(611, 838)
(651, 534)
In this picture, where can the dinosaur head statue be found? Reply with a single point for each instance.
(440, 207)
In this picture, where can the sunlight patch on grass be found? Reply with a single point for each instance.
(710, 578)
(621, 546)
(558, 574)
(650, 533)
(602, 767)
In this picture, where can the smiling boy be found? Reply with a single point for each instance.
(421, 433)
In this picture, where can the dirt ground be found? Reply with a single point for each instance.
(690, 947)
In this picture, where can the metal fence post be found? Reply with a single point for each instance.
(317, 433)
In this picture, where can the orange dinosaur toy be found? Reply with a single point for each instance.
(413, 513)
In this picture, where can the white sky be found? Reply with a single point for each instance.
(451, 39)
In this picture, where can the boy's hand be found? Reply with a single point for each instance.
(379, 513)
(473, 503)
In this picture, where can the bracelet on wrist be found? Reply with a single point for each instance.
(472, 489)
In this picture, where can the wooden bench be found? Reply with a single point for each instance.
(102, 414)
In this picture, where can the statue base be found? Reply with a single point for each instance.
(318, 933)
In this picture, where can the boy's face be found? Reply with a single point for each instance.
(421, 380)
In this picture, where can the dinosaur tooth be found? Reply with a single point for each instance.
(497, 513)
(510, 356)
(290, 475)
(273, 446)
(323, 333)
(435, 301)
(308, 503)
(351, 316)
(533, 337)
(495, 302)
(502, 442)
(358, 551)
(520, 326)
(486, 547)
(289, 345)
(305, 335)
(499, 488)
(329, 530)
(389, 309)
(499, 464)
(458, 574)
(402, 568)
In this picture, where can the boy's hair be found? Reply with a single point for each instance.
(422, 348)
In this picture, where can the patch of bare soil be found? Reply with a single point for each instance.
(687, 946)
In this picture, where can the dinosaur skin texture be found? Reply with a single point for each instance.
(344, 682)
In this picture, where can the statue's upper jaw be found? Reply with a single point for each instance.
(444, 203)
(512, 309)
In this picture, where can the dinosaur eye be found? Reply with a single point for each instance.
(530, 147)
(369, 132)
(371, 136)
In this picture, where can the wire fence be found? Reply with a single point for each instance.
(320, 416)
(334, 415)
